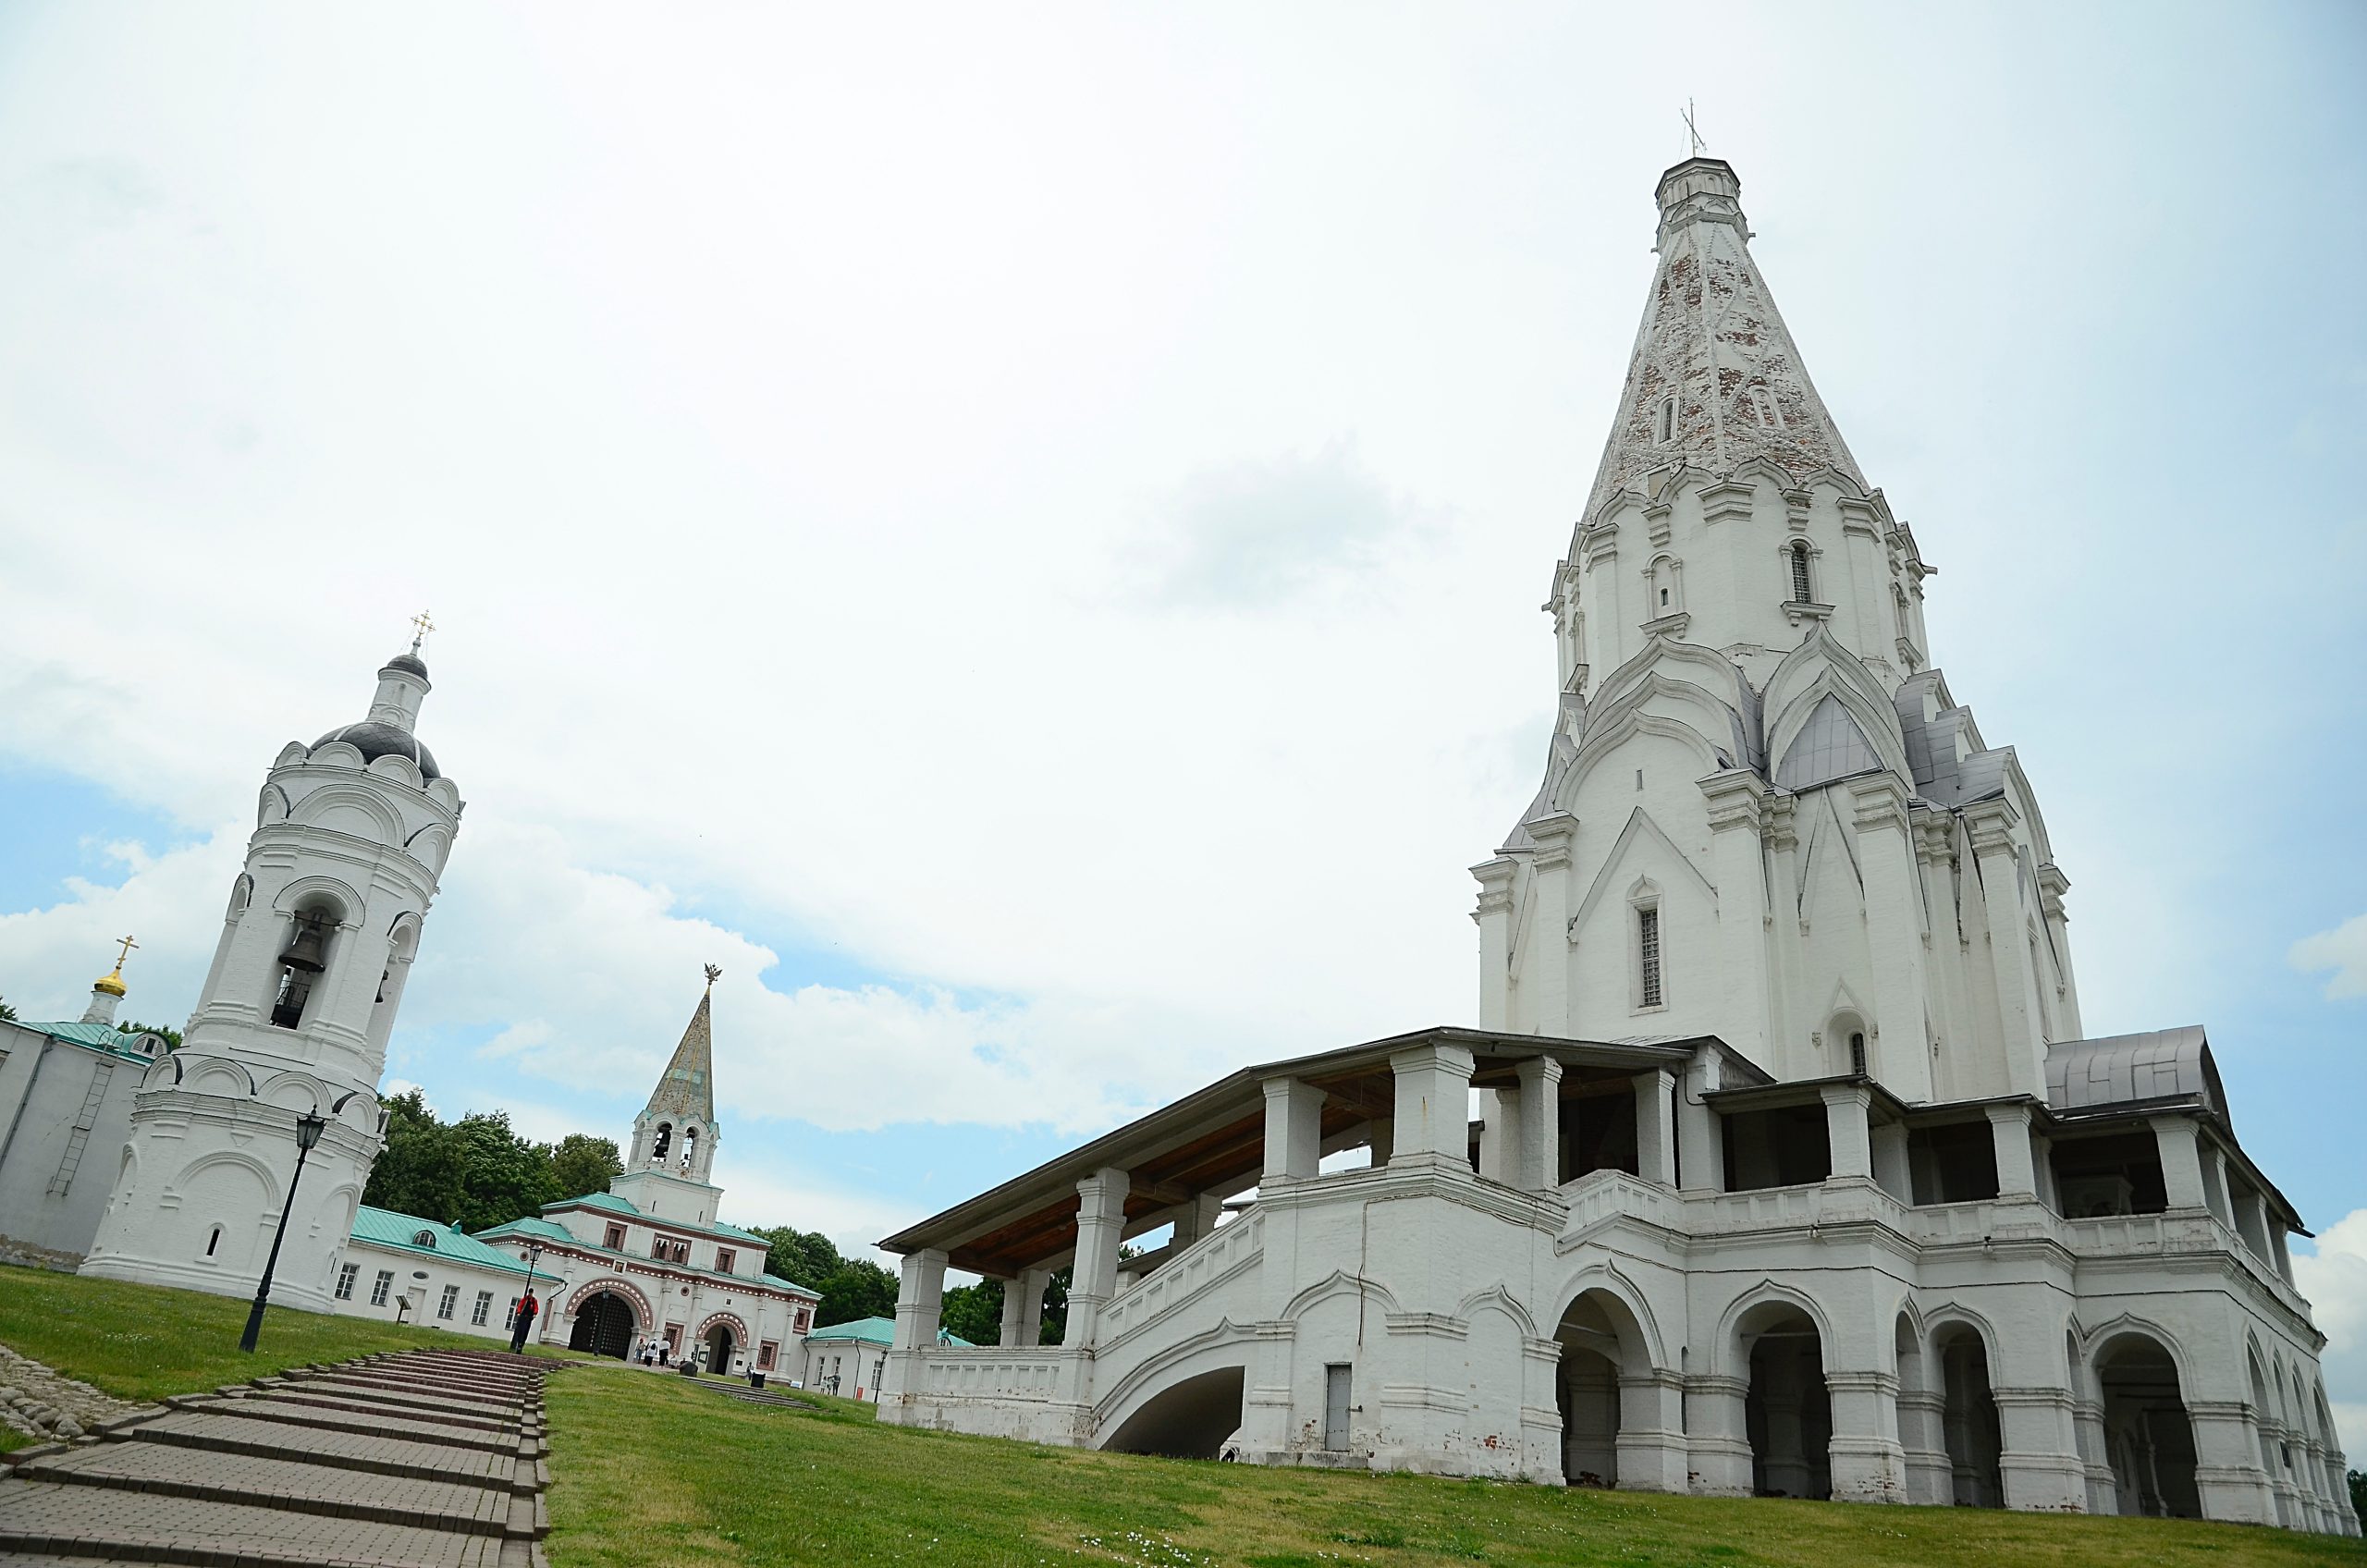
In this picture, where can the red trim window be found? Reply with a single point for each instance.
(616, 1242)
(804, 1319)
(765, 1355)
(724, 1258)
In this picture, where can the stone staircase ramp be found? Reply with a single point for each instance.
(398, 1462)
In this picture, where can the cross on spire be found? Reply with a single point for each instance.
(1693, 131)
(423, 627)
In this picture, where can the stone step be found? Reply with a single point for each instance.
(287, 1483)
(351, 1451)
(323, 1397)
(391, 1390)
(41, 1518)
(337, 1416)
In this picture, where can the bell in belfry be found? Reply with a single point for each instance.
(305, 949)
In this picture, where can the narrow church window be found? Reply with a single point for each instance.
(213, 1241)
(1800, 585)
(1668, 419)
(1857, 1054)
(1664, 598)
(1648, 931)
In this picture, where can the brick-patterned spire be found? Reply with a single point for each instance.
(687, 1091)
(1712, 340)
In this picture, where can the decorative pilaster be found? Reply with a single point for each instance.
(1432, 1124)
(1737, 809)
(1992, 822)
(1894, 932)
(1494, 918)
(1545, 952)
(1656, 1126)
(1101, 1224)
(1868, 1463)
(1293, 1131)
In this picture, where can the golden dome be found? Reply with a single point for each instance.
(110, 982)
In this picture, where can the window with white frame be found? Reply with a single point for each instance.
(448, 1303)
(1803, 585)
(380, 1286)
(484, 1309)
(1763, 404)
(510, 1318)
(345, 1278)
(1648, 955)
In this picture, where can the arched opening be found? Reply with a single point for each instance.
(690, 1148)
(303, 959)
(1803, 585)
(1189, 1419)
(2148, 1439)
(1600, 1339)
(1787, 1414)
(1968, 1423)
(718, 1348)
(603, 1326)
(664, 1141)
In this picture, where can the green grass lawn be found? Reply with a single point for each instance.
(653, 1470)
(650, 1470)
(141, 1342)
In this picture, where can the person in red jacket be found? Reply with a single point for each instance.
(522, 1320)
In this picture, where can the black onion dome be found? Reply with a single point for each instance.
(409, 662)
(374, 739)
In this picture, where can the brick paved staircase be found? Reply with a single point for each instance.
(421, 1458)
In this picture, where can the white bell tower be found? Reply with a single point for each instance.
(350, 835)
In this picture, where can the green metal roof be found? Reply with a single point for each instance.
(90, 1037)
(399, 1232)
(879, 1331)
(612, 1204)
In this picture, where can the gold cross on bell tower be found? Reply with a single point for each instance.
(120, 958)
(423, 627)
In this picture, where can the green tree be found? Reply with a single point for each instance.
(1054, 1325)
(418, 1171)
(504, 1177)
(858, 1288)
(8, 1014)
(171, 1036)
(582, 1163)
(2357, 1480)
(974, 1312)
(804, 1257)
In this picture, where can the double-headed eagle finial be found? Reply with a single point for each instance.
(713, 973)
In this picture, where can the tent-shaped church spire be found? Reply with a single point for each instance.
(1715, 380)
(686, 1092)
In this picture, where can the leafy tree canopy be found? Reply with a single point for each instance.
(171, 1036)
(478, 1172)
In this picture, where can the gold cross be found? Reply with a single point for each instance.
(424, 625)
(127, 945)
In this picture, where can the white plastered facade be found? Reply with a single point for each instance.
(1793, 1171)
(322, 924)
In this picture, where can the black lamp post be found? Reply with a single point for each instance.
(307, 1133)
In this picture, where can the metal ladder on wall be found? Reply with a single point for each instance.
(80, 1137)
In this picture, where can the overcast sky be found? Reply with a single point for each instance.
(1018, 532)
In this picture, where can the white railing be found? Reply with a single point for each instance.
(1005, 1372)
(1613, 1194)
(1184, 1276)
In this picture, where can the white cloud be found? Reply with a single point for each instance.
(172, 903)
(2342, 950)
(2334, 1279)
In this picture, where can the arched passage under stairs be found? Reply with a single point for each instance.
(1622, 1417)
(2149, 1438)
(1189, 1418)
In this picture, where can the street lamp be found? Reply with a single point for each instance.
(308, 1127)
(532, 1256)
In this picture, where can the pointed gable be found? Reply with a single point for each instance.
(1829, 746)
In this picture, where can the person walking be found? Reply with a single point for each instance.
(522, 1320)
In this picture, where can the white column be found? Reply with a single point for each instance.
(1992, 823)
(2009, 1133)
(1892, 1171)
(1100, 1222)
(1433, 1122)
(1540, 1124)
(1894, 931)
(1845, 1115)
(1494, 918)
(2174, 1136)
(919, 1298)
(1500, 1135)
(1656, 1127)
(1737, 801)
(1293, 1131)
(1701, 1141)
(1023, 1308)
(1545, 954)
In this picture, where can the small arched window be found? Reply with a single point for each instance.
(665, 1141)
(213, 1240)
(1803, 589)
(1857, 1052)
(1667, 423)
(1648, 955)
(1763, 405)
(422, 1238)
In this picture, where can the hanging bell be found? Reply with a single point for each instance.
(308, 949)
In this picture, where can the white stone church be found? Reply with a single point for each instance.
(1793, 1169)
